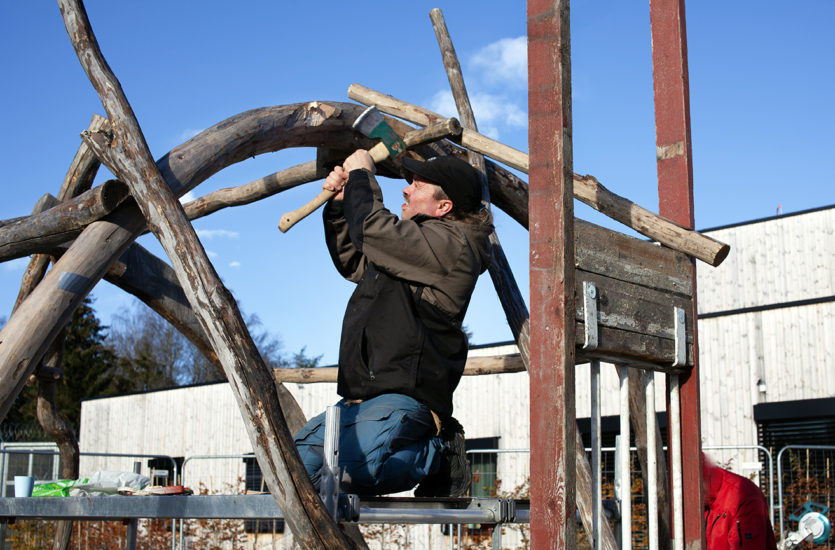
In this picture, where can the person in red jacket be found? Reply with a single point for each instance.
(736, 512)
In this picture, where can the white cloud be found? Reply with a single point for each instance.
(504, 61)
(209, 234)
(443, 103)
(234, 264)
(188, 197)
(211, 254)
(18, 264)
(491, 111)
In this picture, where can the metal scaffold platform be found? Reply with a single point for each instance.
(263, 506)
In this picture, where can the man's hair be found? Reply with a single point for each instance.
(481, 216)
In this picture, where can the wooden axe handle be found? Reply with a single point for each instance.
(444, 129)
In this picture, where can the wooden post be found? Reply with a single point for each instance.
(508, 291)
(129, 158)
(553, 523)
(675, 195)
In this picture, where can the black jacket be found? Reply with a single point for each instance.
(402, 328)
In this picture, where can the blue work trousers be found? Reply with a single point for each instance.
(386, 445)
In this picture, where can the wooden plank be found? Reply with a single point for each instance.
(618, 256)
(633, 308)
(551, 208)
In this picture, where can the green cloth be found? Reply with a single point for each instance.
(60, 488)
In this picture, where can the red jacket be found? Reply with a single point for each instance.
(736, 513)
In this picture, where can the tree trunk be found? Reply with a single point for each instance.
(130, 159)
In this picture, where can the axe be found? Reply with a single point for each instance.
(372, 124)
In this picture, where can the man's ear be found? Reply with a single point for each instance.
(444, 207)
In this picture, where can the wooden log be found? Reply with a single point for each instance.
(470, 138)
(130, 159)
(84, 165)
(475, 366)
(53, 424)
(36, 268)
(61, 222)
(78, 179)
(254, 190)
(504, 282)
(208, 204)
(586, 188)
(155, 283)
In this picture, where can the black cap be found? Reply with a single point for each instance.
(460, 181)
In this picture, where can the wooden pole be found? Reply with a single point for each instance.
(586, 188)
(129, 157)
(62, 222)
(675, 195)
(510, 297)
(475, 366)
(553, 507)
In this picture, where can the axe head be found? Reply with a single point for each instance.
(371, 124)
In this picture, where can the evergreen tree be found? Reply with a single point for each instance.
(89, 365)
(88, 371)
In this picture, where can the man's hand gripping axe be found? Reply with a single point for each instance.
(372, 124)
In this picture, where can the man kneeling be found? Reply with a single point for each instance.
(402, 350)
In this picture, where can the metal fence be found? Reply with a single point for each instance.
(806, 485)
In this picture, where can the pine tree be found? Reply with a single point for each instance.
(88, 371)
(89, 365)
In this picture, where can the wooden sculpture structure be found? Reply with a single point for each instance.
(90, 235)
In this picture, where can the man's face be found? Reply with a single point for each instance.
(420, 199)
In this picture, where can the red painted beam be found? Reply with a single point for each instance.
(551, 211)
(675, 195)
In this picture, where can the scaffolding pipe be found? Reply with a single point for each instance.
(624, 462)
(597, 496)
(652, 462)
(675, 458)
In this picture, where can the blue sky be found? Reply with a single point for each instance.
(761, 83)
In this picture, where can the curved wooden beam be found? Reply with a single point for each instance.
(509, 193)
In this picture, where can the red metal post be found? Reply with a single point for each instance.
(675, 194)
(551, 210)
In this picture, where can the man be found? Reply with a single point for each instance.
(402, 349)
(736, 513)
